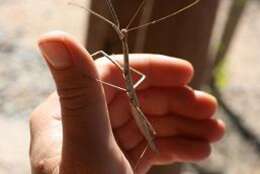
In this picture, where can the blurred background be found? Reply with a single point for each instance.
(226, 58)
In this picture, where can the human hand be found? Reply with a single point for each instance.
(86, 129)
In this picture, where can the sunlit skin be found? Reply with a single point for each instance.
(87, 129)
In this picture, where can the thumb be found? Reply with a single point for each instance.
(87, 135)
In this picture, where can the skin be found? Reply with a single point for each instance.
(85, 128)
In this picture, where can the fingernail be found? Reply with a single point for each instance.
(56, 54)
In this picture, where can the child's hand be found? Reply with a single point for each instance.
(84, 129)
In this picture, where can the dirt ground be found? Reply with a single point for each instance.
(25, 80)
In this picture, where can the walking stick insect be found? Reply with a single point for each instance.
(142, 122)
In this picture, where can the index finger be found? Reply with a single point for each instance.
(160, 71)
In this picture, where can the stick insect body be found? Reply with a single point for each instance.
(142, 122)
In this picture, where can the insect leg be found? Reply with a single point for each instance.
(102, 53)
(143, 77)
(117, 64)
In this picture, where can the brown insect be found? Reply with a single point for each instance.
(142, 122)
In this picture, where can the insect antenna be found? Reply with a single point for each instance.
(135, 14)
(142, 34)
(165, 17)
(113, 12)
(95, 14)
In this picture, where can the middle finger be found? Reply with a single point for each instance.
(160, 101)
(171, 125)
